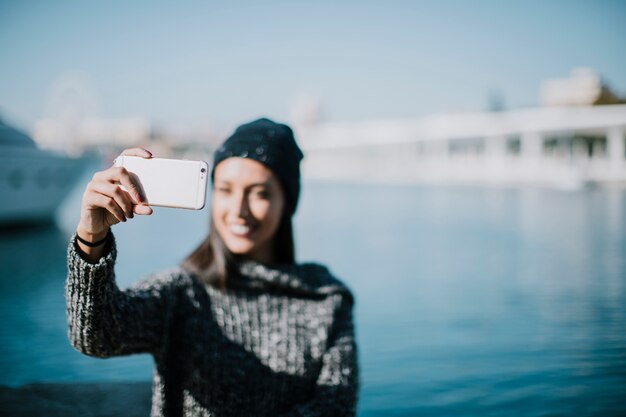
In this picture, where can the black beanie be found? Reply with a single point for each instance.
(271, 144)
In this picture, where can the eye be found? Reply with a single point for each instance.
(223, 189)
(258, 196)
(260, 192)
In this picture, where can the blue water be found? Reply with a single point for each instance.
(470, 301)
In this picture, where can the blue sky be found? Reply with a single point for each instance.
(206, 63)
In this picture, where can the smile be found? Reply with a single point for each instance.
(240, 229)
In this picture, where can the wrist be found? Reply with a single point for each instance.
(90, 236)
(95, 244)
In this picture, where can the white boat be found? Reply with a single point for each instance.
(33, 181)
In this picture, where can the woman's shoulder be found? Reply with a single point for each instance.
(320, 278)
(166, 279)
(305, 279)
(318, 274)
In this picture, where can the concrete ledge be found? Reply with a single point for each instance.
(130, 399)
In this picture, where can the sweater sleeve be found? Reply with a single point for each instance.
(104, 321)
(336, 391)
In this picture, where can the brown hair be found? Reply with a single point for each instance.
(213, 263)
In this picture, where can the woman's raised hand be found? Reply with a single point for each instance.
(106, 203)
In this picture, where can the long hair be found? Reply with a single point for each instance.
(213, 263)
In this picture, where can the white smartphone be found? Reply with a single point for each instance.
(175, 183)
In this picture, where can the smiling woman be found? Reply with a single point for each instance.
(239, 328)
(256, 177)
(247, 206)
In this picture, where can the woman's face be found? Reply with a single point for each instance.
(246, 205)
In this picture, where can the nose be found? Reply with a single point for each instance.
(241, 206)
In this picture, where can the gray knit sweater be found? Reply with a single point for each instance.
(278, 342)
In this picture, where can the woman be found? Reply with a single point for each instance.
(238, 328)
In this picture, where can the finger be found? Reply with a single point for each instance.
(144, 153)
(114, 191)
(114, 175)
(143, 209)
(122, 176)
(109, 205)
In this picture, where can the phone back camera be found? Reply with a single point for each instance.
(203, 170)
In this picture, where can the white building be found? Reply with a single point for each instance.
(553, 146)
(557, 145)
(582, 88)
(90, 132)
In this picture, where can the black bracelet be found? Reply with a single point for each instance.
(93, 244)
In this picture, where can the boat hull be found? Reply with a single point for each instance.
(34, 183)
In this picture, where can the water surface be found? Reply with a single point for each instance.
(470, 301)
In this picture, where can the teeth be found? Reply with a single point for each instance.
(239, 229)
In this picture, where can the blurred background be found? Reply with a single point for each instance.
(465, 175)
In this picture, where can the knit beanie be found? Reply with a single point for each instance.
(271, 144)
